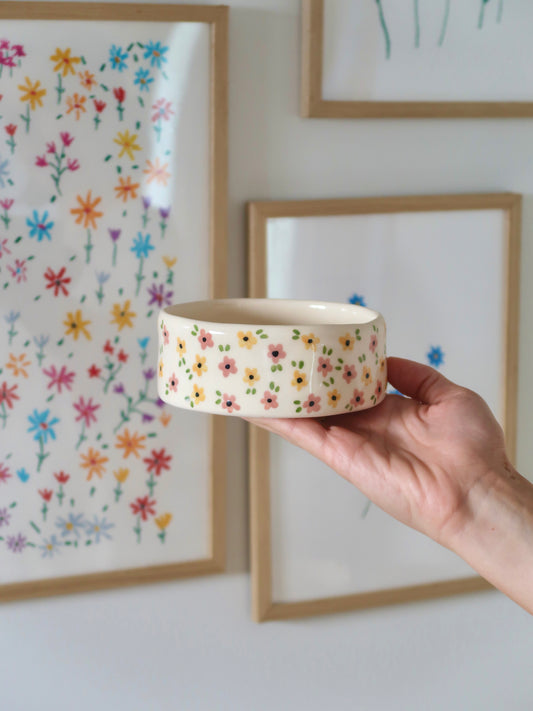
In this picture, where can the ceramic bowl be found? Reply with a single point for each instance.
(271, 357)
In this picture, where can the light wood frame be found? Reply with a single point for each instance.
(264, 607)
(313, 105)
(217, 19)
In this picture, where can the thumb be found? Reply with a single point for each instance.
(418, 381)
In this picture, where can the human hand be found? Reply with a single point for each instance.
(418, 458)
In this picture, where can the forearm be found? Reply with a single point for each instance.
(498, 540)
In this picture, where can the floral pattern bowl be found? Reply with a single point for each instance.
(271, 357)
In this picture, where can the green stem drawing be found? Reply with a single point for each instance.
(44, 511)
(100, 294)
(118, 492)
(41, 454)
(162, 535)
(163, 226)
(5, 219)
(3, 415)
(444, 22)
(383, 24)
(366, 509)
(60, 494)
(482, 14)
(417, 25)
(59, 88)
(137, 529)
(88, 247)
(82, 437)
(26, 118)
(40, 355)
(114, 259)
(97, 122)
(112, 374)
(125, 415)
(151, 484)
(11, 143)
(139, 276)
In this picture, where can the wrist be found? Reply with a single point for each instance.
(497, 537)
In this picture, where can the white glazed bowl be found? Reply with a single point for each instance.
(271, 357)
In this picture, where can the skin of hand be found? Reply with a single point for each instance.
(436, 461)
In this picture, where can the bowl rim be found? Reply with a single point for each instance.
(166, 312)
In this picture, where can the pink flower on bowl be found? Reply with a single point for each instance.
(358, 398)
(312, 404)
(229, 404)
(324, 366)
(227, 366)
(166, 335)
(205, 339)
(349, 373)
(270, 401)
(173, 383)
(373, 343)
(379, 389)
(276, 352)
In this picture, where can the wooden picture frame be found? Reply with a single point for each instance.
(278, 219)
(210, 23)
(314, 105)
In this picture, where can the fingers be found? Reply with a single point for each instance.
(418, 381)
(307, 433)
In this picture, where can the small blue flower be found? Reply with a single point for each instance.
(39, 226)
(435, 356)
(143, 342)
(117, 58)
(12, 317)
(4, 172)
(74, 524)
(141, 246)
(98, 528)
(143, 79)
(40, 425)
(102, 277)
(50, 546)
(155, 52)
(23, 475)
(357, 300)
(41, 341)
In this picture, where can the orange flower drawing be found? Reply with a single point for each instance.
(94, 462)
(87, 80)
(156, 171)
(130, 443)
(76, 103)
(86, 213)
(18, 364)
(126, 189)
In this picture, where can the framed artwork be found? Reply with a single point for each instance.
(444, 272)
(113, 165)
(447, 59)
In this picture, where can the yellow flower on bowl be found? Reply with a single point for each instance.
(200, 367)
(246, 339)
(299, 380)
(310, 341)
(346, 342)
(181, 346)
(366, 375)
(251, 375)
(333, 398)
(197, 394)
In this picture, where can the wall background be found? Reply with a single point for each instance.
(191, 645)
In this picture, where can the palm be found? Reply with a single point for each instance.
(412, 459)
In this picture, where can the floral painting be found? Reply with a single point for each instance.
(104, 176)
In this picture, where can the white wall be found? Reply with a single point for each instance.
(190, 645)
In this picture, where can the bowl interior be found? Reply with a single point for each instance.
(272, 312)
